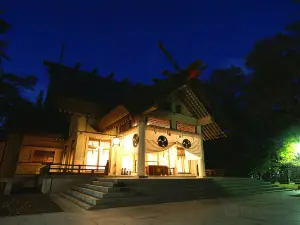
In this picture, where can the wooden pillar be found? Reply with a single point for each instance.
(80, 149)
(141, 148)
(201, 161)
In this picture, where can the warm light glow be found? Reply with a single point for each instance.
(104, 156)
(127, 162)
(183, 165)
(92, 159)
(127, 143)
(116, 141)
(190, 156)
(173, 157)
(152, 159)
(163, 158)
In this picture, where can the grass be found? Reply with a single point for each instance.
(288, 186)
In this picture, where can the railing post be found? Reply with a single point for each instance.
(106, 171)
(47, 169)
(79, 168)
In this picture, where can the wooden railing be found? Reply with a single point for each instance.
(53, 168)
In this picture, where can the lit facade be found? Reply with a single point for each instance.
(155, 143)
(122, 134)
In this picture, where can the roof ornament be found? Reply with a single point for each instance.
(193, 71)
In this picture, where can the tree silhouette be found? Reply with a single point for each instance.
(11, 85)
(40, 98)
(4, 27)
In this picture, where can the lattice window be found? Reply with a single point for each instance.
(124, 127)
(186, 127)
(153, 121)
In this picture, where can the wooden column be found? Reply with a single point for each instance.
(201, 161)
(141, 148)
(80, 149)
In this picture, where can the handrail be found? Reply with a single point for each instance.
(70, 168)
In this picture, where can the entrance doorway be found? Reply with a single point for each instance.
(97, 154)
(184, 165)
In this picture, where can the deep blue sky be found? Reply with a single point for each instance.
(122, 35)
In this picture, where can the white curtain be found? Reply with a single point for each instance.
(175, 139)
(190, 156)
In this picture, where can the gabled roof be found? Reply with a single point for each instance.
(107, 94)
(210, 129)
(69, 85)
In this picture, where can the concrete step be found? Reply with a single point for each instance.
(98, 194)
(243, 184)
(90, 202)
(76, 201)
(254, 192)
(84, 197)
(239, 182)
(104, 183)
(101, 188)
(116, 181)
(251, 191)
(245, 187)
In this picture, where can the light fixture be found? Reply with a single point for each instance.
(116, 141)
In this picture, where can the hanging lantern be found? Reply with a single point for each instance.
(116, 141)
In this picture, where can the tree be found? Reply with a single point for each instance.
(11, 84)
(4, 26)
(275, 80)
(273, 93)
(10, 96)
(288, 148)
(11, 103)
(40, 98)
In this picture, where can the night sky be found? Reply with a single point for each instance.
(122, 35)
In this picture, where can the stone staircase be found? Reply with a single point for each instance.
(235, 187)
(109, 193)
(99, 194)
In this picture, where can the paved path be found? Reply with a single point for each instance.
(268, 209)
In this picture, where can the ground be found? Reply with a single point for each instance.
(24, 204)
(265, 209)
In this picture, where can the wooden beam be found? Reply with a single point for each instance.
(113, 116)
(205, 120)
(151, 109)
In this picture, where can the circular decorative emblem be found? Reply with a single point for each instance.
(186, 143)
(162, 141)
(135, 140)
